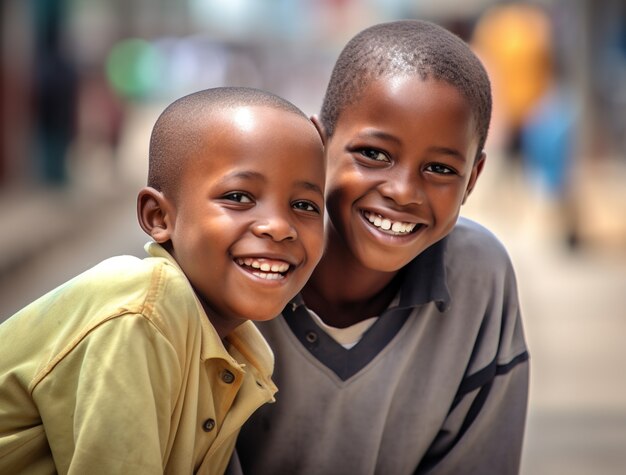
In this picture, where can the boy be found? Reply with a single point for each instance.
(404, 352)
(149, 366)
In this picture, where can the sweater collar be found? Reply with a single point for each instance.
(425, 279)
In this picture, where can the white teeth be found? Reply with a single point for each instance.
(268, 276)
(386, 224)
(279, 267)
(268, 271)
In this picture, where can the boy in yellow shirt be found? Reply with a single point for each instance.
(151, 365)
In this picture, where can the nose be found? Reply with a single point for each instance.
(276, 227)
(403, 188)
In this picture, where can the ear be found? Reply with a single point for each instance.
(154, 212)
(320, 128)
(477, 169)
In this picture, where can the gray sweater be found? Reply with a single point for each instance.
(438, 384)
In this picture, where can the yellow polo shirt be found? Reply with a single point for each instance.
(120, 371)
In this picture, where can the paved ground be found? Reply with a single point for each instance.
(574, 304)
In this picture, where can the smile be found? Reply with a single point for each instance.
(268, 269)
(389, 226)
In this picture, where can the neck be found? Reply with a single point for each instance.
(222, 325)
(344, 292)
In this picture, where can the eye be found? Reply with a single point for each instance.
(307, 206)
(238, 196)
(373, 154)
(440, 169)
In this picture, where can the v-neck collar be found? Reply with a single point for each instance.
(424, 281)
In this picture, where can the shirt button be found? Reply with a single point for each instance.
(208, 425)
(228, 377)
(311, 337)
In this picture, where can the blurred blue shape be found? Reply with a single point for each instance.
(548, 140)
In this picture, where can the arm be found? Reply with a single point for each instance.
(484, 429)
(484, 432)
(106, 405)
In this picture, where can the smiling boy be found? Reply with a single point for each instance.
(404, 352)
(151, 365)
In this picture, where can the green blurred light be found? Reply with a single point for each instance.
(133, 68)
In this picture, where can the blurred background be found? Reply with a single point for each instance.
(82, 82)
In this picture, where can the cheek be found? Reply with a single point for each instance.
(447, 198)
(312, 237)
(345, 186)
(446, 210)
(337, 208)
(341, 171)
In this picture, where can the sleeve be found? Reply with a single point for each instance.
(106, 405)
(484, 430)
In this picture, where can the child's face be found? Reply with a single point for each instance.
(247, 223)
(400, 164)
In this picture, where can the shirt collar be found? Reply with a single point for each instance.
(246, 338)
(425, 279)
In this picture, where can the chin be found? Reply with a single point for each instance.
(387, 267)
(262, 315)
(383, 262)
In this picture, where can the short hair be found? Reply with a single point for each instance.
(412, 47)
(176, 134)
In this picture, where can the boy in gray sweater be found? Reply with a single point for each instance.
(404, 353)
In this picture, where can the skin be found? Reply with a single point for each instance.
(250, 195)
(404, 152)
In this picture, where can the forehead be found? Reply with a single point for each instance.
(258, 138)
(409, 105)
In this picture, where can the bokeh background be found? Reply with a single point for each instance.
(82, 82)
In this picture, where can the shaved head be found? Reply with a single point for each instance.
(407, 47)
(181, 129)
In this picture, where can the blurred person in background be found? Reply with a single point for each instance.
(535, 111)
(547, 145)
(55, 94)
(514, 41)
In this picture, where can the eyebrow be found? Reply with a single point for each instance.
(435, 149)
(246, 175)
(379, 134)
(448, 151)
(250, 175)
(310, 186)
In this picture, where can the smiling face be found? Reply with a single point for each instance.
(246, 220)
(400, 164)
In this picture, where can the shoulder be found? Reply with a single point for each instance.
(153, 287)
(484, 292)
(126, 269)
(117, 286)
(478, 269)
(471, 247)
(130, 276)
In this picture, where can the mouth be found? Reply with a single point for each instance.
(389, 226)
(268, 269)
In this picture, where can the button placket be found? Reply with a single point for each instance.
(228, 377)
(208, 425)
